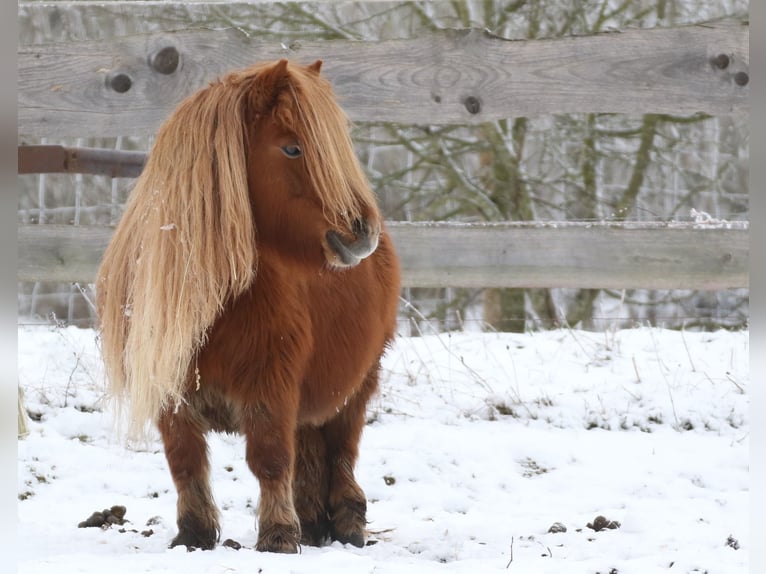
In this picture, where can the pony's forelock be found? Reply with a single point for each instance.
(322, 128)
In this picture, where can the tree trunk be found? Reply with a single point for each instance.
(505, 309)
(585, 207)
(627, 202)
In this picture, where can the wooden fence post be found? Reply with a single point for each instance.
(23, 427)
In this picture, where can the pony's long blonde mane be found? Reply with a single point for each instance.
(186, 243)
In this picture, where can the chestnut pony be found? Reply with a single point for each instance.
(250, 287)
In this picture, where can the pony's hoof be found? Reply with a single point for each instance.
(314, 533)
(280, 538)
(349, 523)
(354, 538)
(193, 541)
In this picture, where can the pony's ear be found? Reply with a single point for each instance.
(273, 80)
(268, 85)
(315, 67)
(278, 71)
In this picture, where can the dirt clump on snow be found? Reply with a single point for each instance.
(105, 518)
(600, 523)
(115, 516)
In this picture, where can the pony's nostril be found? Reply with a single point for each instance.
(360, 227)
(352, 250)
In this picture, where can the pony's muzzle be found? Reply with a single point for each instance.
(363, 244)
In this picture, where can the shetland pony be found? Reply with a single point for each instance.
(250, 287)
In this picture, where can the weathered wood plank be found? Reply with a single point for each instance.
(573, 255)
(465, 76)
(60, 253)
(649, 256)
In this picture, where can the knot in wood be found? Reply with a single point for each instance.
(472, 104)
(165, 60)
(721, 61)
(741, 78)
(119, 82)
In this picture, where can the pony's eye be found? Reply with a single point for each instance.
(292, 151)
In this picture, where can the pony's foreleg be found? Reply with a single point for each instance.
(347, 504)
(187, 456)
(311, 485)
(270, 454)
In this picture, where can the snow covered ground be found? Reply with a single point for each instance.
(476, 446)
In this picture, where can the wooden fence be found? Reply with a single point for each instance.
(656, 256)
(127, 85)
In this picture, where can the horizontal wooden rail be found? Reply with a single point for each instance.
(127, 85)
(95, 161)
(576, 255)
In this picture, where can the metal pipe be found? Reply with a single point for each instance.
(94, 161)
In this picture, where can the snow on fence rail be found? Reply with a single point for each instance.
(712, 255)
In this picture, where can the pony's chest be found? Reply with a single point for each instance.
(315, 336)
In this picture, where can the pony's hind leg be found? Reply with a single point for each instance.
(311, 486)
(183, 437)
(270, 454)
(347, 504)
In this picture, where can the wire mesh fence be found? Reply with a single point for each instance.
(69, 199)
